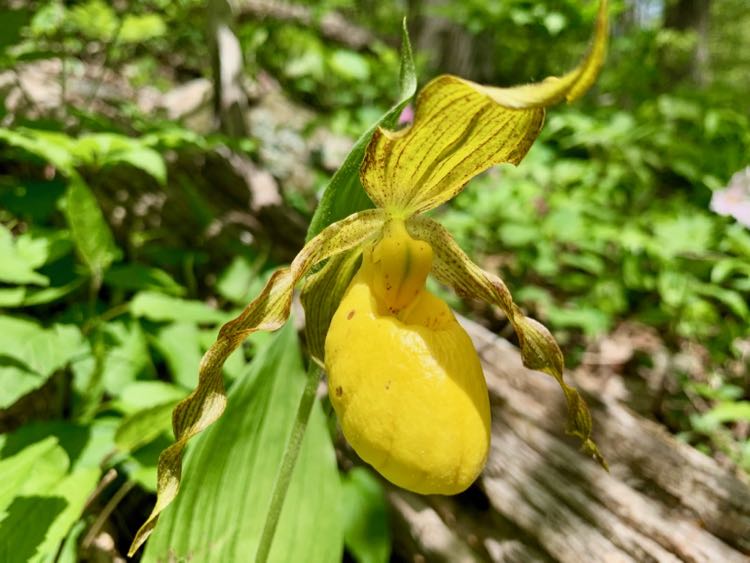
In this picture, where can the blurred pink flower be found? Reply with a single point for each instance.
(734, 200)
(407, 115)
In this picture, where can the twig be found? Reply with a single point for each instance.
(108, 509)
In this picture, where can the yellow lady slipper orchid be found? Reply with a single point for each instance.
(403, 375)
(404, 378)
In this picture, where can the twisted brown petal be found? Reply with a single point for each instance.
(538, 348)
(268, 311)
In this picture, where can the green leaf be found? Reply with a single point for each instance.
(685, 234)
(139, 28)
(48, 294)
(365, 516)
(134, 277)
(144, 426)
(95, 19)
(48, 19)
(240, 282)
(231, 468)
(159, 307)
(11, 24)
(16, 468)
(31, 354)
(19, 258)
(127, 355)
(35, 525)
(350, 64)
(90, 231)
(86, 445)
(145, 394)
(102, 149)
(40, 500)
(726, 267)
(12, 297)
(730, 412)
(55, 148)
(179, 343)
(344, 194)
(732, 299)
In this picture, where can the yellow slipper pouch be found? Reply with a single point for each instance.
(403, 375)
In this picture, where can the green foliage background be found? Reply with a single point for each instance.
(605, 226)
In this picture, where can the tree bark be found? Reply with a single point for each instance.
(230, 98)
(691, 15)
(450, 47)
(540, 499)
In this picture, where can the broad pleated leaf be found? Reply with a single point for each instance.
(344, 193)
(268, 311)
(539, 349)
(231, 468)
(461, 129)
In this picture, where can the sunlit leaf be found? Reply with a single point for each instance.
(95, 19)
(103, 149)
(16, 468)
(138, 28)
(89, 229)
(19, 257)
(127, 355)
(40, 500)
(35, 525)
(55, 148)
(160, 307)
(32, 355)
(230, 471)
(144, 426)
(179, 344)
(145, 394)
(86, 445)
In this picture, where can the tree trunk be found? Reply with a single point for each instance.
(450, 47)
(230, 99)
(540, 499)
(691, 15)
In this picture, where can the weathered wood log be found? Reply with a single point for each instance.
(545, 501)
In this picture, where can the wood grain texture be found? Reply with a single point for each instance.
(663, 501)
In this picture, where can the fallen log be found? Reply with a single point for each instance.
(543, 500)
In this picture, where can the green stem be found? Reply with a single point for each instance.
(288, 462)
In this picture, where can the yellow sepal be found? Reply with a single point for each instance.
(461, 129)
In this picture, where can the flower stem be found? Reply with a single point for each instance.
(291, 453)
